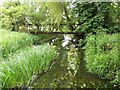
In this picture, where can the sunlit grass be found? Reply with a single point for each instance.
(12, 41)
(22, 66)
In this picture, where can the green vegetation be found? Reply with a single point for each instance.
(102, 55)
(91, 16)
(21, 67)
(22, 17)
(12, 41)
(95, 26)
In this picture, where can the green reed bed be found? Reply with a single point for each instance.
(12, 41)
(21, 67)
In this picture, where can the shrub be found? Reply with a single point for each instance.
(101, 55)
(22, 66)
(12, 41)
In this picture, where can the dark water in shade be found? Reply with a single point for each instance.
(68, 71)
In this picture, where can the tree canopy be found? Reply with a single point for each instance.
(61, 16)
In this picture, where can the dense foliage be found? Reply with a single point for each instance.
(20, 68)
(98, 23)
(12, 41)
(78, 17)
(91, 16)
(102, 55)
(31, 16)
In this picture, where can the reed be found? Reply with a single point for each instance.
(12, 41)
(20, 67)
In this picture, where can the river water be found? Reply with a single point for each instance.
(68, 71)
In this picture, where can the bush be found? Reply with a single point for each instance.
(20, 67)
(12, 15)
(101, 55)
(12, 41)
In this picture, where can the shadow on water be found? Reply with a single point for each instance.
(68, 71)
(82, 70)
(56, 73)
(89, 80)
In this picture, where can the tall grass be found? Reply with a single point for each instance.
(22, 66)
(12, 41)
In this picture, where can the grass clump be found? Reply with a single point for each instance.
(12, 41)
(102, 55)
(22, 66)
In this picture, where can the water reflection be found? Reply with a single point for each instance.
(68, 70)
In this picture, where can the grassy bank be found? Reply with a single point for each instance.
(12, 41)
(102, 55)
(22, 66)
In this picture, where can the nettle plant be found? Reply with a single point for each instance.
(102, 55)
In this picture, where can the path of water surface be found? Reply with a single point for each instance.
(68, 71)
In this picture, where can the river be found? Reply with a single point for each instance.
(68, 71)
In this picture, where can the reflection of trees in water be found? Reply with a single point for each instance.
(68, 70)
